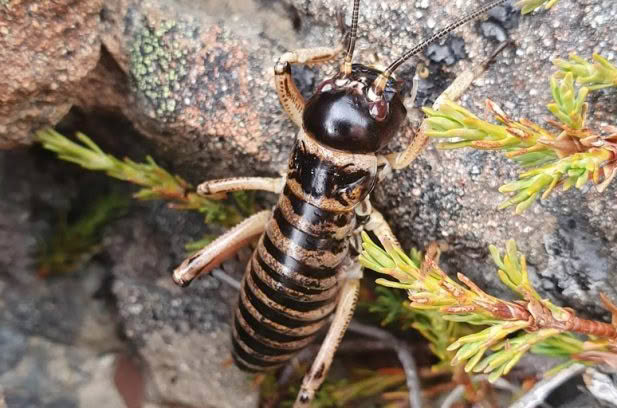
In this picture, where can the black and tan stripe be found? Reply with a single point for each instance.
(271, 326)
(287, 287)
(298, 280)
(307, 217)
(290, 286)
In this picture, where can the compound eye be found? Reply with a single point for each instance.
(379, 109)
(325, 86)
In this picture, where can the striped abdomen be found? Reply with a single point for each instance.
(290, 285)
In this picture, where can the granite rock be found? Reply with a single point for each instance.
(46, 49)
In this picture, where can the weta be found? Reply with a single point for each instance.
(304, 272)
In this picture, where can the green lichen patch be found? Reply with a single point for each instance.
(159, 65)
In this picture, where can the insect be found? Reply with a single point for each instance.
(304, 270)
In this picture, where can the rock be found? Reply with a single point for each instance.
(50, 375)
(448, 53)
(59, 343)
(58, 338)
(182, 335)
(46, 49)
(199, 73)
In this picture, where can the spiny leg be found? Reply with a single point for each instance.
(290, 97)
(221, 248)
(379, 226)
(227, 185)
(344, 312)
(461, 83)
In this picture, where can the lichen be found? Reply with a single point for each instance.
(159, 65)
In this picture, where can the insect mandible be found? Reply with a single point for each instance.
(305, 269)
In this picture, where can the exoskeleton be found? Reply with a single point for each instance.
(304, 269)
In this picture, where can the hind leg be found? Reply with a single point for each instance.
(219, 187)
(221, 248)
(344, 312)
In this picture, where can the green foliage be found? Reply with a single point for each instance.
(392, 308)
(73, 244)
(527, 6)
(597, 75)
(157, 183)
(342, 393)
(568, 158)
(513, 328)
(439, 332)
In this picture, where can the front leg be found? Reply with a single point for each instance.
(378, 225)
(221, 248)
(290, 97)
(461, 83)
(344, 312)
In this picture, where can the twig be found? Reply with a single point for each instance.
(500, 383)
(347, 346)
(455, 395)
(514, 327)
(223, 277)
(404, 356)
(362, 346)
(536, 395)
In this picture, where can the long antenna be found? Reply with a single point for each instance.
(352, 40)
(380, 83)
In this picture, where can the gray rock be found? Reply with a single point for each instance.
(13, 346)
(182, 335)
(55, 375)
(59, 342)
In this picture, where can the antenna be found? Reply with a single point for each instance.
(346, 68)
(380, 83)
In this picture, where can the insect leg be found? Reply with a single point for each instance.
(221, 248)
(380, 227)
(227, 185)
(289, 95)
(321, 365)
(461, 83)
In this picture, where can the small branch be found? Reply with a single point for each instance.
(362, 346)
(536, 396)
(570, 155)
(156, 182)
(404, 356)
(513, 328)
(527, 6)
(346, 347)
(455, 395)
(223, 277)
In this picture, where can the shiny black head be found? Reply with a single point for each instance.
(344, 113)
